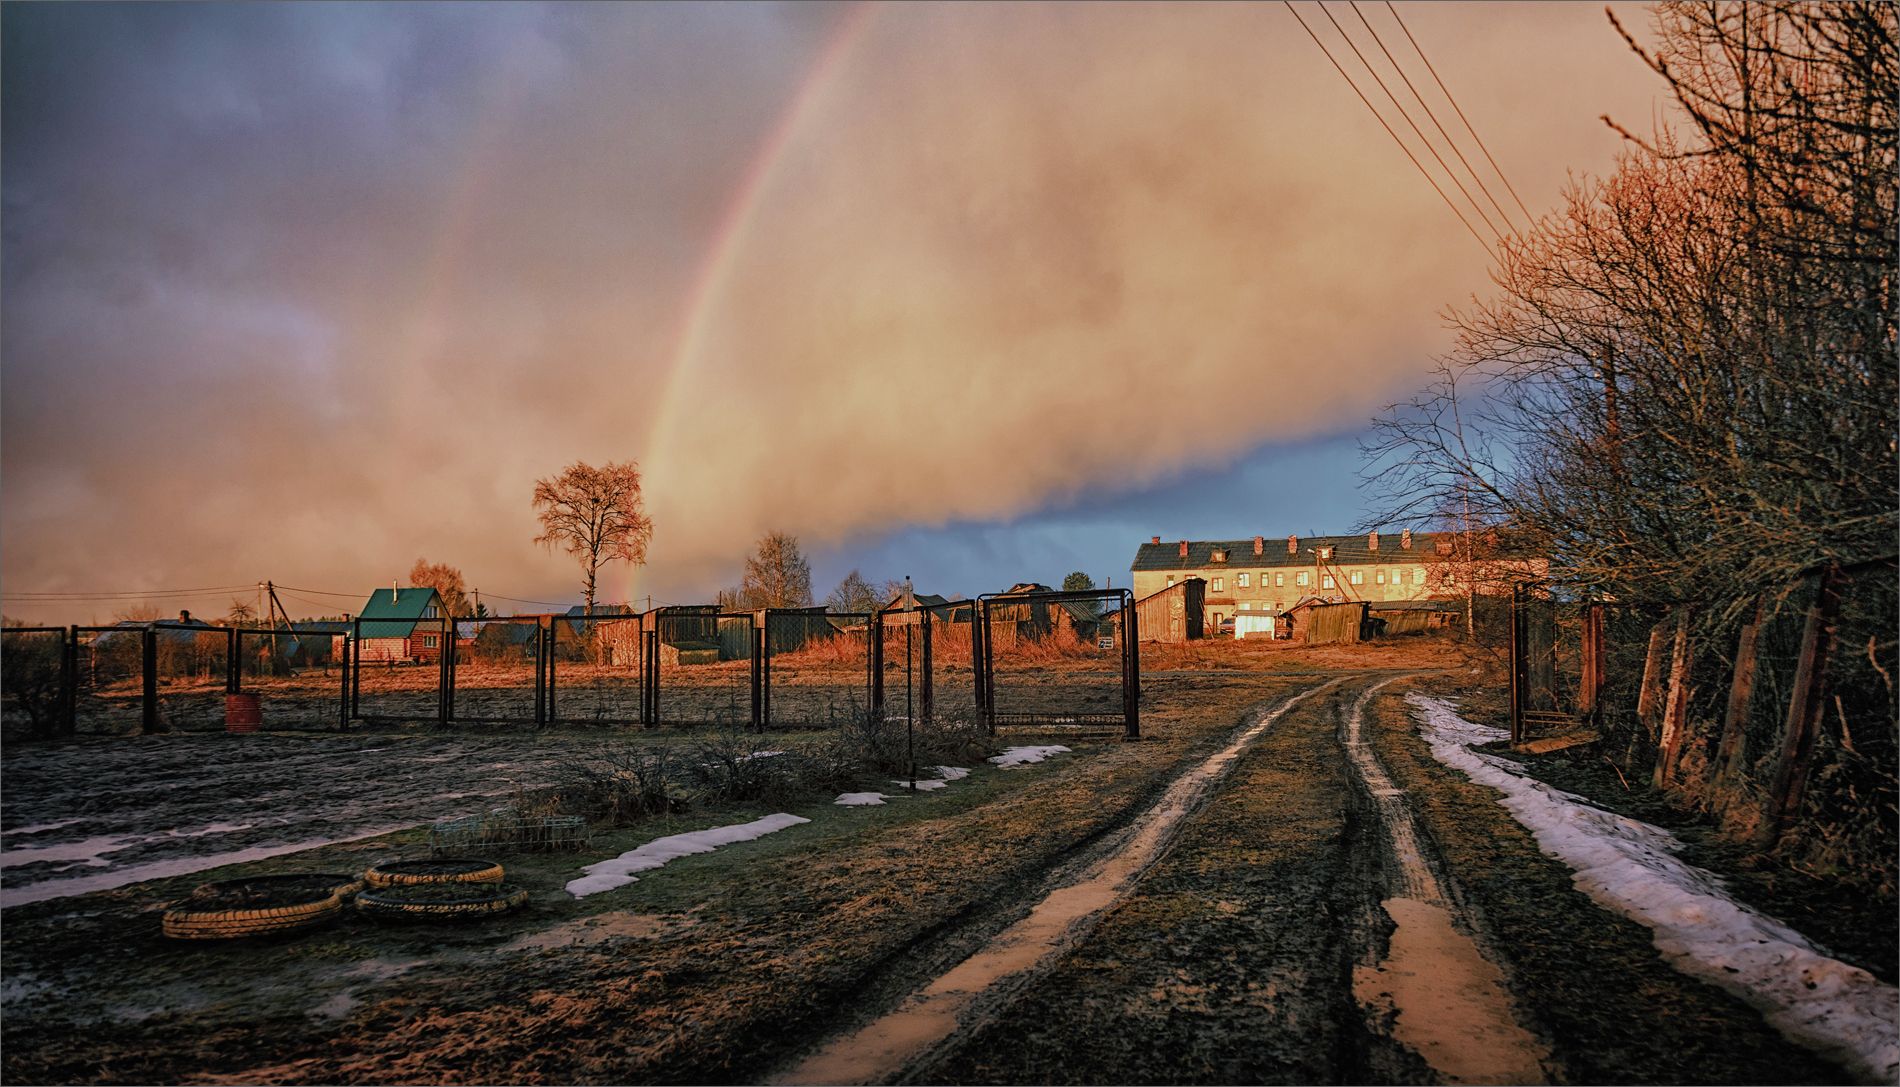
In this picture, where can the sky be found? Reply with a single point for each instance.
(974, 293)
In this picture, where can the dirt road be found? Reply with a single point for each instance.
(1277, 886)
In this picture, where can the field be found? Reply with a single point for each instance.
(1222, 892)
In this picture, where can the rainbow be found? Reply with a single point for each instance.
(742, 210)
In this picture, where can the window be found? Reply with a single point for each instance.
(1220, 584)
(1299, 578)
(1220, 555)
(1240, 580)
(428, 641)
(1326, 581)
(1279, 579)
(1418, 575)
(1358, 577)
(429, 612)
(1325, 553)
(1378, 577)
(1170, 579)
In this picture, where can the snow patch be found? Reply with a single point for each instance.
(861, 800)
(951, 773)
(41, 828)
(1023, 756)
(608, 874)
(1840, 1011)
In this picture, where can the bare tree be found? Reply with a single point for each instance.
(594, 514)
(776, 574)
(446, 580)
(240, 613)
(853, 594)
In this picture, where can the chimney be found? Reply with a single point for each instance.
(1259, 544)
(395, 590)
(1184, 549)
(1156, 540)
(1405, 539)
(1292, 545)
(184, 616)
(1372, 541)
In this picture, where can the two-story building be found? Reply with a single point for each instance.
(1263, 574)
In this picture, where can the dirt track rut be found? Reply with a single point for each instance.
(1398, 957)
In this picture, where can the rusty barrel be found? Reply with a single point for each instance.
(242, 713)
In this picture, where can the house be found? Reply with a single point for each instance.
(1378, 567)
(398, 624)
(186, 645)
(905, 605)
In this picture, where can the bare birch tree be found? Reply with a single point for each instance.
(596, 515)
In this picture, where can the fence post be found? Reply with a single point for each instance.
(877, 666)
(442, 678)
(976, 659)
(343, 691)
(69, 681)
(1676, 707)
(1651, 692)
(233, 666)
(551, 671)
(1804, 710)
(1592, 633)
(928, 621)
(1516, 633)
(1131, 675)
(148, 668)
(762, 670)
(355, 647)
(653, 678)
(989, 670)
(1741, 688)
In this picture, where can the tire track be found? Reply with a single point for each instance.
(1433, 991)
(884, 1049)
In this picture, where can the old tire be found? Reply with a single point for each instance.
(441, 901)
(448, 870)
(258, 906)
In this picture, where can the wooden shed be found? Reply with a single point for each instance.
(1175, 614)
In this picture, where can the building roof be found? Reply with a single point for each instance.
(917, 600)
(396, 611)
(1347, 551)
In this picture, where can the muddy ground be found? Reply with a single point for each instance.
(1231, 958)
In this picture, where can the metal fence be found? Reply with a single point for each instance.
(154, 677)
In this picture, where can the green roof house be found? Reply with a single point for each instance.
(401, 624)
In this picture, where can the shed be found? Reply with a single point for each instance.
(1175, 614)
(1261, 623)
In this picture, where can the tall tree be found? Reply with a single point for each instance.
(853, 594)
(594, 514)
(776, 574)
(446, 580)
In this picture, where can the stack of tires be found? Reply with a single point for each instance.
(438, 890)
(417, 890)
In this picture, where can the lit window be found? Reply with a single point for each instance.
(1379, 577)
(1240, 580)
(1279, 579)
(1326, 581)
(1300, 578)
(1358, 577)
(1220, 583)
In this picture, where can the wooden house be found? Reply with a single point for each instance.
(402, 625)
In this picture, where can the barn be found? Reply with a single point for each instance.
(399, 624)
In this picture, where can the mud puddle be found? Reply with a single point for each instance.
(881, 1050)
(1434, 992)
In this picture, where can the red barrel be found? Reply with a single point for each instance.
(242, 713)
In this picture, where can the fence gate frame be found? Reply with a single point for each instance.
(1129, 717)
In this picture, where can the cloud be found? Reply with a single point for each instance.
(304, 291)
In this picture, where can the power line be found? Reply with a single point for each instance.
(1433, 117)
(1417, 131)
(28, 595)
(1482, 244)
(1461, 113)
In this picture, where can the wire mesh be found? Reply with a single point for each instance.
(496, 669)
(506, 828)
(31, 670)
(815, 671)
(1057, 658)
